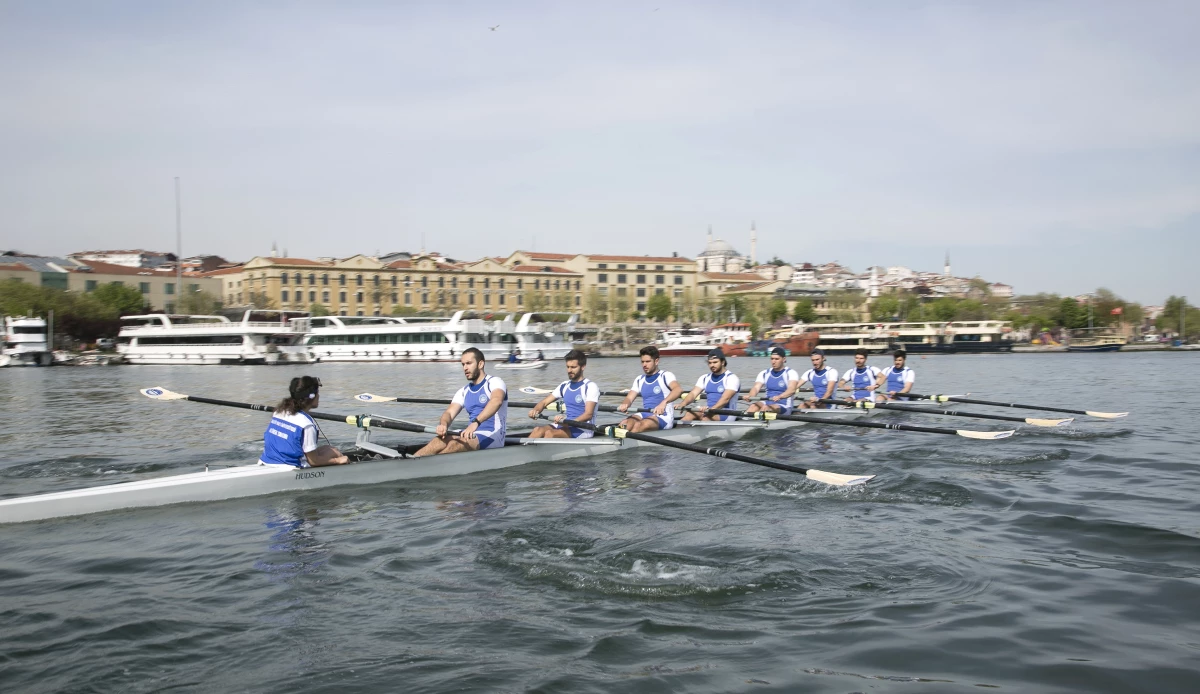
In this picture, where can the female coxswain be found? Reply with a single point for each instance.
(291, 437)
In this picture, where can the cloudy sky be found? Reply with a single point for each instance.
(1051, 145)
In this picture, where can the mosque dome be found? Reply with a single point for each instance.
(718, 248)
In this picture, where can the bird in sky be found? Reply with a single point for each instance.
(495, 27)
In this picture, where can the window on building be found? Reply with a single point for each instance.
(325, 296)
(621, 291)
(621, 279)
(169, 307)
(471, 299)
(425, 297)
(641, 267)
(658, 267)
(395, 297)
(501, 281)
(470, 283)
(358, 280)
(577, 300)
(144, 287)
(677, 268)
(678, 279)
(342, 280)
(678, 293)
(453, 282)
(500, 300)
(621, 266)
(602, 266)
(641, 292)
(603, 291)
(453, 299)
(602, 278)
(312, 297)
(641, 306)
(283, 278)
(537, 284)
(660, 279)
(486, 283)
(342, 296)
(407, 299)
(325, 279)
(375, 280)
(487, 299)
(312, 278)
(424, 281)
(660, 290)
(441, 281)
(358, 296)
(283, 295)
(520, 300)
(641, 279)
(519, 283)
(556, 284)
(168, 288)
(576, 285)
(394, 278)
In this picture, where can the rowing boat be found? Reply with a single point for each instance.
(258, 480)
(521, 365)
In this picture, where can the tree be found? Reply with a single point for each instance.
(397, 310)
(320, 310)
(199, 303)
(1070, 314)
(621, 313)
(885, 307)
(120, 298)
(659, 307)
(776, 309)
(803, 311)
(259, 300)
(944, 309)
(596, 305)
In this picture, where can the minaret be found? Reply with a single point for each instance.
(753, 245)
(874, 282)
(710, 233)
(274, 249)
(946, 271)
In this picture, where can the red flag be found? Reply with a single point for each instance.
(1118, 311)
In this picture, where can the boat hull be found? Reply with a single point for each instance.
(258, 480)
(1003, 347)
(1094, 348)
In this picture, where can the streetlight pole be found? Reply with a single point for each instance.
(178, 249)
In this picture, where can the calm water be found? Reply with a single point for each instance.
(1056, 561)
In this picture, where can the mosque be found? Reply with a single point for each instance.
(720, 256)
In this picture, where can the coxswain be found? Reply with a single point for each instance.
(781, 383)
(897, 379)
(719, 385)
(579, 396)
(863, 379)
(658, 389)
(291, 437)
(512, 357)
(541, 357)
(486, 400)
(823, 379)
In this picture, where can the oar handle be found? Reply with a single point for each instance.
(617, 432)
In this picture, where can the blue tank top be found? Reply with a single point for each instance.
(715, 387)
(895, 379)
(283, 442)
(474, 397)
(861, 379)
(654, 389)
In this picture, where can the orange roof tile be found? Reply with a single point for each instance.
(641, 258)
(102, 268)
(295, 261)
(549, 256)
(16, 267)
(543, 268)
(221, 271)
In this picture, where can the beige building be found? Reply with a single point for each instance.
(364, 286)
(160, 288)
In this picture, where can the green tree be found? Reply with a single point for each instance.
(944, 309)
(659, 307)
(885, 307)
(200, 303)
(260, 300)
(1070, 314)
(621, 310)
(120, 298)
(803, 311)
(596, 305)
(320, 310)
(776, 309)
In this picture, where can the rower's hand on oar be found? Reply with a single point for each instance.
(622, 408)
(661, 408)
(469, 432)
(560, 419)
(535, 413)
(441, 429)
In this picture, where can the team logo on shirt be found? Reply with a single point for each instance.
(483, 398)
(657, 390)
(578, 398)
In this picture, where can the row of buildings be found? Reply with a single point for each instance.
(604, 288)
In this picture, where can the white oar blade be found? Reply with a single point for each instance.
(1108, 415)
(1049, 422)
(367, 397)
(157, 393)
(535, 391)
(984, 435)
(838, 480)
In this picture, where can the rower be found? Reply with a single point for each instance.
(823, 379)
(578, 394)
(862, 380)
(291, 437)
(898, 378)
(486, 401)
(658, 389)
(781, 383)
(719, 384)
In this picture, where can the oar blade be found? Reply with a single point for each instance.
(838, 480)
(1108, 415)
(158, 393)
(368, 397)
(1033, 421)
(984, 435)
(530, 390)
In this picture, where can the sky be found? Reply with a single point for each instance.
(1053, 146)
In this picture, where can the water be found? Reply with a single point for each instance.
(1056, 561)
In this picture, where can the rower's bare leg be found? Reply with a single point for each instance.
(647, 424)
(549, 432)
(434, 447)
(461, 445)
(690, 416)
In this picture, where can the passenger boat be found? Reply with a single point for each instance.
(25, 342)
(259, 337)
(685, 343)
(531, 333)
(957, 337)
(1096, 340)
(257, 480)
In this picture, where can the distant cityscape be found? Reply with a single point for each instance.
(719, 284)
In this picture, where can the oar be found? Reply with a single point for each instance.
(530, 390)
(553, 407)
(969, 401)
(362, 421)
(817, 475)
(868, 405)
(966, 433)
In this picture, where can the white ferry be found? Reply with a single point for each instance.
(958, 337)
(685, 343)
(260, 337)
(25, 342)
(393, 338)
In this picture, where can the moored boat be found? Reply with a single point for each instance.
(25, 342)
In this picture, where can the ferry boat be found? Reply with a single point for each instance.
(685, 343)
(958, 337)
(409, 338)
(260, 337)
(25, 342)
(1096, 340)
